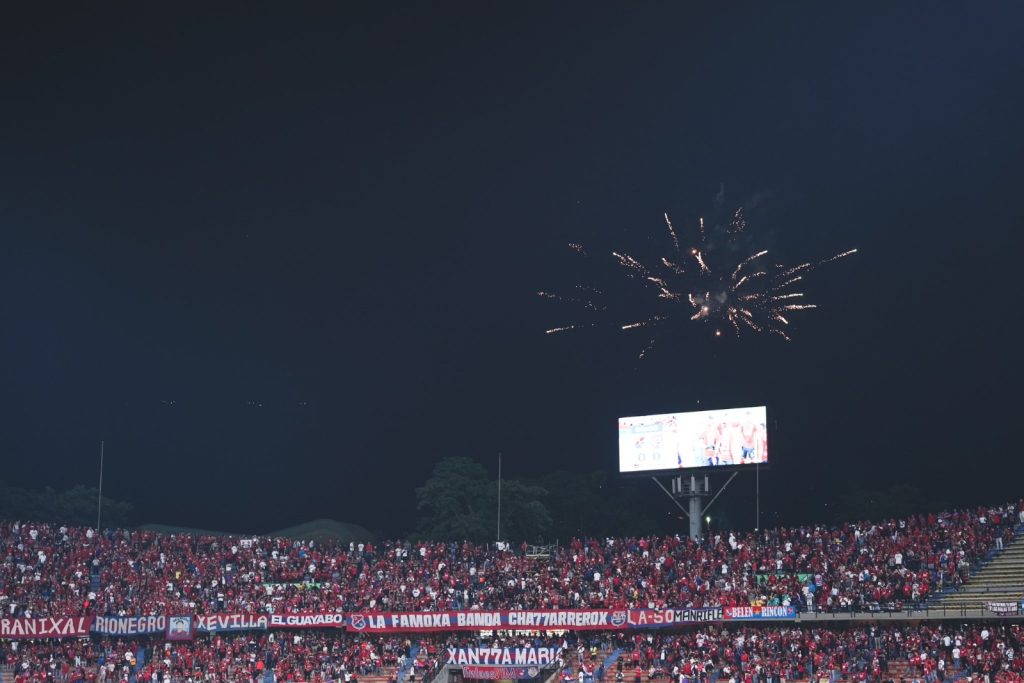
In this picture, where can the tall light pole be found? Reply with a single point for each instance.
(499, 498)
(99, 501)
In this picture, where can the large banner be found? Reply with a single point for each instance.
(500, 673)
(502, 656)
(389, 622)
(45, 627)
(776, 612)
(533, 620)
(129, 626)
(217, 623)
(308, 620)
(208, 623)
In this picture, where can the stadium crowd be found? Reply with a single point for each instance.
(57, 571)
(704, 654)
(48, 570)
(931, 653)
(314, 655)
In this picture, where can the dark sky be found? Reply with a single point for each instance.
(283, 258)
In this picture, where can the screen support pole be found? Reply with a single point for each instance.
(695, 514)
(673, 498)
(695, 488)
(757, 513)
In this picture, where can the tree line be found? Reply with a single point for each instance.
(460, 501)
(76, 506)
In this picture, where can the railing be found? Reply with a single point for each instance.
(919, 612)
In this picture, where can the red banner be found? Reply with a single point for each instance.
(308, 620)
(500, 673)
(45, 627)
(530, 620)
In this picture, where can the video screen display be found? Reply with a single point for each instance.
(707, 438)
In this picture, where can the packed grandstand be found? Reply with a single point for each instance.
(140, 606)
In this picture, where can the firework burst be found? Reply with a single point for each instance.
(689, 284)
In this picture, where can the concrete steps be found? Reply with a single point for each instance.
(605, 660)
(1001, 580)
(899, 669)
(416, 655)
(383, 677)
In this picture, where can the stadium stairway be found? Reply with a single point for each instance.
(6, 675)
(140, 661)
(608, 664)
(386, 671)
(604, 666)
(414, 655)
(900, 670)
(384, 676)
(1000, 580)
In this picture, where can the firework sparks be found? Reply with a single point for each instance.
(589, 305)
(644, 323)
(748, 260)
(631, 264)
(739, 223)
(743, 279)
(567, 328)
(787, 283)
(672, 232)
(711, 289)
(678, 270)
(700, 259)
(844, 254)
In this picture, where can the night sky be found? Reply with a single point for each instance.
(283, 258)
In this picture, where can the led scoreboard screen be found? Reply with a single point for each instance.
(708, 438)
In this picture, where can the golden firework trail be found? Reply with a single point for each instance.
(710, 294)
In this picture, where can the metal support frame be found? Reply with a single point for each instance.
(670, 496)
(695, 492)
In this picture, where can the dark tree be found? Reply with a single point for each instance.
(77, 506)
(460, 502)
